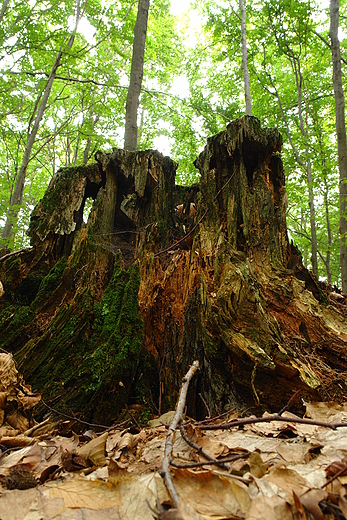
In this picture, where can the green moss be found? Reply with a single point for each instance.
(118, 332)
(27, 290)
(14, 327)
(50, 282)
(6, 315)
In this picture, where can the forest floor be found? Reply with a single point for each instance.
(277, 466)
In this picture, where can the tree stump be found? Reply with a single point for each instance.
(112, 312)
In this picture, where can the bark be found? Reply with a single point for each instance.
(314, 241)
(3, 9)
(136, 76)
(245, 59)
(341, 135)
(330, 238)
(17, 194)
(112, 313)
(86, 150)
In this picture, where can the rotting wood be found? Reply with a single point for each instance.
(111, 312)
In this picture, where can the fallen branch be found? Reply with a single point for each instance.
(209, 462)
(270, 418)
(178, 417)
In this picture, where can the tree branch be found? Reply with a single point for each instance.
(165, 469)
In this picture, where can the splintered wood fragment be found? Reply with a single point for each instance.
(178, 417)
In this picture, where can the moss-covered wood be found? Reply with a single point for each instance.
(98, 316)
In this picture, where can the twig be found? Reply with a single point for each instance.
(270, 418)
(165, 469)
(133, 418)
(202, 452)
(206, 405)
(72, 418)
(338, 474)
(208, 462)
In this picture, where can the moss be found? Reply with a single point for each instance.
(50, 282)
(27, 290)
(118, 333)
(6, 315)
(101, 342)
(14, 331)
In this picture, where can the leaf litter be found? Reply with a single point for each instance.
(276, 469)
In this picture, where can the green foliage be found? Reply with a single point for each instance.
(86, 106)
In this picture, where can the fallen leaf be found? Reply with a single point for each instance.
(94, 450)
(166, 418)
(311, 500)
(256, 464)
(78, 493)
(269, 508)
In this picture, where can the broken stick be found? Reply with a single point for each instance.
(178, 417)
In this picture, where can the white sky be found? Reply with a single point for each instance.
(179, 6)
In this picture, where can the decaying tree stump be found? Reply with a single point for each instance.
(112, 312)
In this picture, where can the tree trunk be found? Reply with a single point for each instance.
(136, 75)
(245, 59)
(3, 9)
(86, 150)
(314, 241)
(111, 313)
(341, 135)
(17, 194)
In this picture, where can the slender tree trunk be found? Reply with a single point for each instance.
(136, 75)
(314, 242)
(330, 239)
(245, 59)
(17, 194)
(3, 9)
(341, 135)
(89, 141)
(327, 258)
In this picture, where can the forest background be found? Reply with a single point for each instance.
(192, 87)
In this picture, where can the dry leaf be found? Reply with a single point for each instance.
(8, 372)
(337, 467)
(311, 500)
(212, 446)
(256, 465)
(126, 442)
(18, 421)
(269, 508)
(84, 494)
(166, 418)
(94, 450)
(210, 494)
(288, 480)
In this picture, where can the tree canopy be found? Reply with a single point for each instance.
(192, 87)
